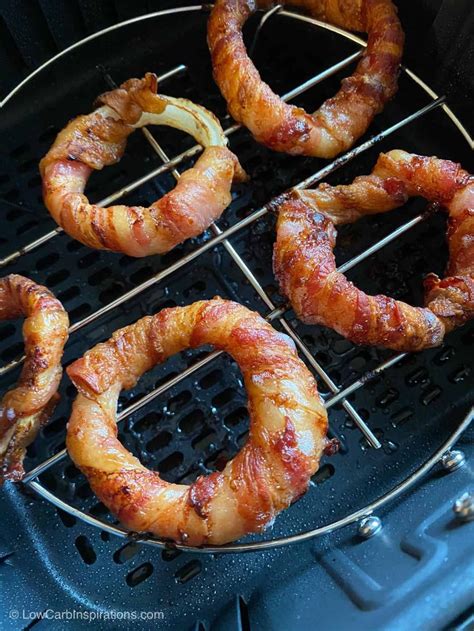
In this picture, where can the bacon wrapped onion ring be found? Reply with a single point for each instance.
(27, 407)
(98, 139)
(342, 119)
(305, 267)
(288, 425)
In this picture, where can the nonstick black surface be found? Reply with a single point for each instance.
(199, 424)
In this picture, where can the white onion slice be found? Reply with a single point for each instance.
(185, 115)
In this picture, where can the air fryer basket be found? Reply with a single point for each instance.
(394, 415)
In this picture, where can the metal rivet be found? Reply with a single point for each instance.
(453, 460)
(464, 507)
(369, 526)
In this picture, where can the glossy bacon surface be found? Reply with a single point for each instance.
(342, 119)
(288, 425)
(25, 408)
(92, 141)
(305, 266)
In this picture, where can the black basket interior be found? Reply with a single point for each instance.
(197, 425)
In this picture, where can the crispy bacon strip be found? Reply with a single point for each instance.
(25, 408)
(95, 140)
(288, 425)
(305, 266)
(336, 125)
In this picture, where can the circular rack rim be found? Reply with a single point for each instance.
(315, 532)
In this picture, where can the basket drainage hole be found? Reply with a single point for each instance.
(387, 398)
(47, 261)
(236, 417)
(139, 574)
(173, 461)
(192, 421)
(179, 401)
(401, 417)
(323, 474)
(461, 374)
(170, 554)
(204, 439)
(69, 294)
(158, 442)
(80, 312)
(100, 276)
(126, 552)
(223, 397)
(25, 227)
(188, 571)
(86, 550)
(211, 379)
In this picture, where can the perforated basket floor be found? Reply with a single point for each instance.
(198, 424)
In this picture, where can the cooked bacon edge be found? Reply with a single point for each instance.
(26, 407)
(288, 425)
(337, 124)
(92, 141)
(305, 266)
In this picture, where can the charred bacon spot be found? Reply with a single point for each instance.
(331, 446)
(296, 464)
(250, 485)
(202, 491)
(395, 188)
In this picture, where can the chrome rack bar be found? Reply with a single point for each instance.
(49, 462)
(279, 312)
(368, 144)
(263, 545)
(261, 212)
(339, 395)
(365, 379)
(171, 73)
(188, 154)
(266, 16)
(276, 313)
(369, 435)
(348, 407)
(258, 214)
(53, 233)
(380, 244)
(170, 383)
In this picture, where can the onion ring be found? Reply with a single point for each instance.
(288, 425)
(336, 125)
(98, 139)
(305, 267)
(27, 407)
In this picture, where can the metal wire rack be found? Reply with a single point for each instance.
(336, 394)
